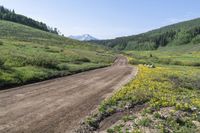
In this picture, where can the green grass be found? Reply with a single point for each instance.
(30, 55)
(160, 88)
(170, 92)
(186, 55)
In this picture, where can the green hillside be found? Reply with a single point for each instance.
(10, 15)
(30, 55)
(164, 97)
(187, 32)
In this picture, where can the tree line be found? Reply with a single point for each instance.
(10, 15)
(176, 34)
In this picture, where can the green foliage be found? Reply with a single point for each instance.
(82, 60)
(186, 55)
(177, 34)
(63, 66)
(39, 59)
(1, 43)
(30, 55)
(115, 129)
(9, 15)
(157, 115)
(2, 61)
(172, 104)
(92, 122)
(196, 39)
(186, 82)
(110, 130)
(145, 122)
(128, 118)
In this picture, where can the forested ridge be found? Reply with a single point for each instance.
(176, 34)
(10, 15)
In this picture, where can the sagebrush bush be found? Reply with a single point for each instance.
(2, 61)
(62, 66)
(186, 82)
(1, 43)
(40, 60)
(82, 60)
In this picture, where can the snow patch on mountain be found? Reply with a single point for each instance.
(85, 37)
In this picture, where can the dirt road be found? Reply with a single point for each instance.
(58, 105)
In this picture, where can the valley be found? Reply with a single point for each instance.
(143, 83)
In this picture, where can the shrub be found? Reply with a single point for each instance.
(40, 60)
(186, 82)
(2, 61)
(62, 66)
(1, 43)
(110, 130)
(137, 61)
(82, 60)
(157, 115)
(92, 122)
(195, 64)
(196, 39)
(43, 61)
(177, 63)
(145, 122)
(128, 118)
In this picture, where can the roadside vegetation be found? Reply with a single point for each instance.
(172, 98)
(166, 86)
(171, 95)
(29, 55)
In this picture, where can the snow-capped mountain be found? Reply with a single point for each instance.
(85, 37)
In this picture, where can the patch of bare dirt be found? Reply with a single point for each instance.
(113, 119)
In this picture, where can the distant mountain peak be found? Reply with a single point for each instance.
(84, 37)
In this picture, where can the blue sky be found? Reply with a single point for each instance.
(106, 18)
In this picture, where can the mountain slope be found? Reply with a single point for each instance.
(6, 14)
(30, 55)
(85, 37)
(176, 34)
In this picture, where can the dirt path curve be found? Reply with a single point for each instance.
(58, 105)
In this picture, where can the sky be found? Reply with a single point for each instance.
(106, 19)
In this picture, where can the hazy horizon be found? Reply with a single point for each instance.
(105, 19)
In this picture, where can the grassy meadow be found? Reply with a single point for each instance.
(184, 55)
(30, 55)
(169, 92)
(171, 95)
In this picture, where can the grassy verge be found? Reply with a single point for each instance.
(30, 74)
(172, 95)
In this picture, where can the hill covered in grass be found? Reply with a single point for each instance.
(30, 55)
(10, 15)
(187, 32)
